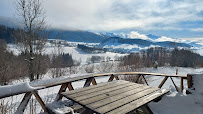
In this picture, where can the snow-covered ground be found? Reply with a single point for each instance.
(76, 53)
(172, 103)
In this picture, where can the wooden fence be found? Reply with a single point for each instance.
(91, 79)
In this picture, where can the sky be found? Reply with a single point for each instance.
(171, 18)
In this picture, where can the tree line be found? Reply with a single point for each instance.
(164, 57)
(14, 67)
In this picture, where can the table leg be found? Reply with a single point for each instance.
(146, 109)
(87, 111)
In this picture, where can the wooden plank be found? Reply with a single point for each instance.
(126, 100)
(110, 94)
(65, 81)
(93, 87)
(146, 73)
(24, 103)
(163, 81)
(112, 99)
(93, 90)
(40, 101)
(137, 103)
(90, 94)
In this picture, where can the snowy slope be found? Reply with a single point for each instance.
(80, 55)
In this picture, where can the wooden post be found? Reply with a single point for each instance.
(62, 89)
(94, 81)
(163, 81)
(145, 80)
(174, 84)
(24, 103)
(111, 78)
(181, 84)
(189, 81)
(41, 102)
(70, 87)
(137, 78)
(146, 109)
(116, 77)
(176, 71)
(87, 82)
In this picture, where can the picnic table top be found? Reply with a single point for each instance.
(114, 97)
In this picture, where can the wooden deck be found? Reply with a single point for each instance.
(112, 89)
(116, 97)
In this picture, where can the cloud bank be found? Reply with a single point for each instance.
(111, 15)
(173, 18)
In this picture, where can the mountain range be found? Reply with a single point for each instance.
(133, 39)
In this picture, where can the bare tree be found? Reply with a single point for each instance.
(32, 36)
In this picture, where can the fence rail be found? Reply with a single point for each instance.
(91, 79)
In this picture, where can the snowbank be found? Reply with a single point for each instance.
(198, 85)
(181, 103)
(10, 90)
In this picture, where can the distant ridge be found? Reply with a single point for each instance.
(140, 42)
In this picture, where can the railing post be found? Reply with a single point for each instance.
(88, 82)
(111, 78)
(24, 103)
(189, 81)
(94, 81)
(174, 84)
(41, 102)
(163, 81)
(181, 84)
(136, 81)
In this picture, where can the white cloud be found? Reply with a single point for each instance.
(111, 15)
(197, 29)
(164, 38)
(135, 35)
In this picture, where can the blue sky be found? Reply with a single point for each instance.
(171, 18)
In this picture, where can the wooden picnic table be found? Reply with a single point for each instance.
(116, 97)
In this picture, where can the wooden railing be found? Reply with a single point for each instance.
(90, 79)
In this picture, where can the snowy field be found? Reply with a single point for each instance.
(172, 103)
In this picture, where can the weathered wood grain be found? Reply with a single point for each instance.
(100, 97)
(116, 98)
(137, 103)
(124, 101)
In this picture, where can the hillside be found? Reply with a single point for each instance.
(77, 36)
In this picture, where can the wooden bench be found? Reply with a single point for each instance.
(115, 97)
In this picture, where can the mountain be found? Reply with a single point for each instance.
(140, 42)
(109, 34)
(77, 36)
(7, 34)
(9, 22)
(118, 41)
(153, 36)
